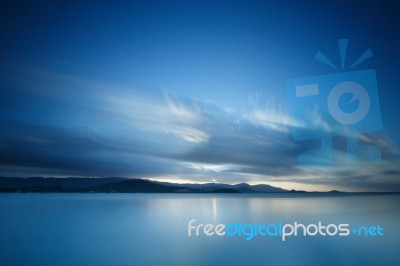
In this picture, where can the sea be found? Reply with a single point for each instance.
(153, 229)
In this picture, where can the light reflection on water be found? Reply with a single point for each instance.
(151, 229)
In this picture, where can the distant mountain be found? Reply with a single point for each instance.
(140, 186)
(68, 182)
(242, 187)
(262, 188)
(122, 185)
(126, 185)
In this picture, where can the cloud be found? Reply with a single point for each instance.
(66, 125)
(268, 112)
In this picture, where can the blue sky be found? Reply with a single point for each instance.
(186, 91)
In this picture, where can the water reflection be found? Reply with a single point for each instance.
(214, 205)
(151, 229)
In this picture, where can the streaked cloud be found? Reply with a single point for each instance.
(100, 129)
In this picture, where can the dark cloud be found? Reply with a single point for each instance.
(70, 126)
(62, 151)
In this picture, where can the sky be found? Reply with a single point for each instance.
(195, 91)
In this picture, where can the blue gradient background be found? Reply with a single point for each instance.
(184, 91)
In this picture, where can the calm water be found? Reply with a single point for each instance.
(151, 229)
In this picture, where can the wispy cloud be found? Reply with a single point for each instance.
(270, 113)
(101, 129)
